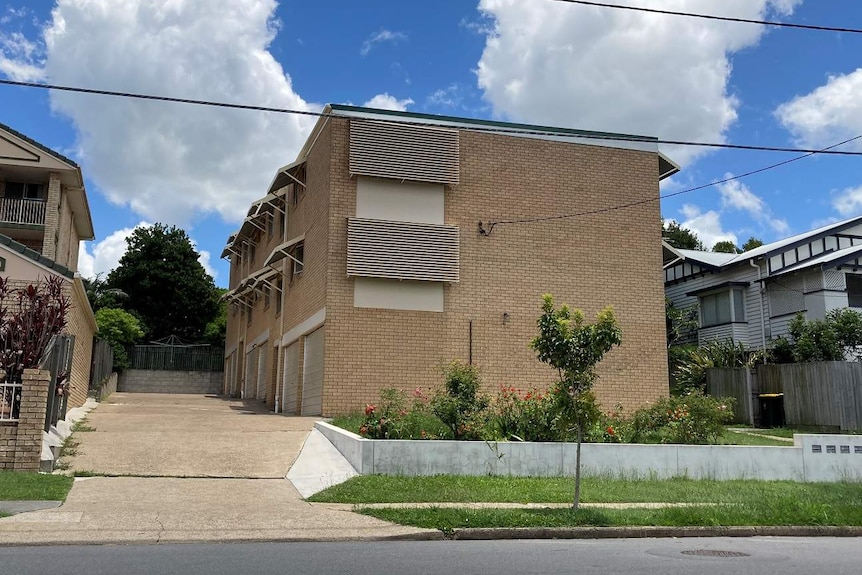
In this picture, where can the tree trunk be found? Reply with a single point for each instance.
(577, 501)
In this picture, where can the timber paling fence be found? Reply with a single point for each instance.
(826, 393)
(176, 358)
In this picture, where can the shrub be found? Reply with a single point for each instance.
(524, 418)
(392, 419)
(828, 339)
(120, 329)
(29, 318)
(691, 363)
(459, 405)
(691, 419)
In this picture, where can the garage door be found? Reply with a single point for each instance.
(290, 388)
(312, 374)
(260, 391)
(250, 375)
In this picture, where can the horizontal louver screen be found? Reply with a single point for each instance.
(402, 250)
(404, 152)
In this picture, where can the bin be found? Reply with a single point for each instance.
(771, 409)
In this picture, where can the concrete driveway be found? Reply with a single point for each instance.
(153, 434)
(190, 468)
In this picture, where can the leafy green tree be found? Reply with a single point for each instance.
(725, 247)
(120, 329)
(680, 237)
(825, 339)
(101, 295)
(752, 243)
(166, 284)
(216, 330)
(573, 348)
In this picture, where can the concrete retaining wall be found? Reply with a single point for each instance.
(839, 458)
(151, 381)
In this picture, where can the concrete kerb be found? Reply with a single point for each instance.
(486, 534)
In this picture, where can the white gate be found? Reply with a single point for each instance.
(290, 387)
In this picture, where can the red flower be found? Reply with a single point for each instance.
(529, 395)
(610, 430)
(369, 409)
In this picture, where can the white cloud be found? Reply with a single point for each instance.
(386, 102)
(96, 258)
(449, 97)
(828, 115)
(614, 70)
(382, 36)
(738, 196)
(20, 59)
(169, 162)
(848, 202)
(101, 257)
(706, 225)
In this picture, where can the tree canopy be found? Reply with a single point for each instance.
(680, 237)
(167, 287)
(725, 247)
(752, 243)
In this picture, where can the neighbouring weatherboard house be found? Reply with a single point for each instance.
(752, 297)
(363, 266)
(43, 216)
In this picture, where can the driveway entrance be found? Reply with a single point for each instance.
(188, 436)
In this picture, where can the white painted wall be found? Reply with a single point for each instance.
(394, 294)
(797, 463)
(399, 201)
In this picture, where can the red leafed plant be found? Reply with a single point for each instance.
(29, 317)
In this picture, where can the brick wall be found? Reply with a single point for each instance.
(52, 217)
(21, 443)
(81, 324)
(611, 258)
(158, 381)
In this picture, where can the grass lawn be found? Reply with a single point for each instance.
(733, 502)
(25, 486)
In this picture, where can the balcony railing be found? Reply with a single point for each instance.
(22, 211)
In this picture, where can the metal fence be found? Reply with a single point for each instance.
(10, 401)
(815, 394)
(58, 360)
(102, 367)
(176, 357)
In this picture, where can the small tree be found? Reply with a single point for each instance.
(459, 405)
(751, 243)
(574, 348)
(120, 329)
(725, 247)
(29, 318)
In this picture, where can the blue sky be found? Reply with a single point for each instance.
(534, 61)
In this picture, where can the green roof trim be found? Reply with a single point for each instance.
(494, 123)
(42, 147)
(35, 256)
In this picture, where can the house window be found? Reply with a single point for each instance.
(281, 218)
(23, 191)
(266, 297)
(722, 307)
(854, 290)
(298, 254)
(270, 225)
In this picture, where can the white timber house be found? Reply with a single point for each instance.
(752, 297)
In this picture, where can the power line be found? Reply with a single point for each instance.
(475, 128)
(714, 17)
(486, 231)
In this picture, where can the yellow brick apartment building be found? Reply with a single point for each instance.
(372, 259)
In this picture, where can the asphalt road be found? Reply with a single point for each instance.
(760, 556)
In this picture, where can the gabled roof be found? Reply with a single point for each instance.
(826, 260)
(716, 259)
(35, 256)
(42, 147)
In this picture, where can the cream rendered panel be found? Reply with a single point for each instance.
(394, 294)
(399, 201)
(404, 202)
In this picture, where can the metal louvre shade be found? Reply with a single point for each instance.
(402, 152)
(402, 250)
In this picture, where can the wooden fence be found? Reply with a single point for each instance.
(732, 382)
(176, 358)
(815, 394)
